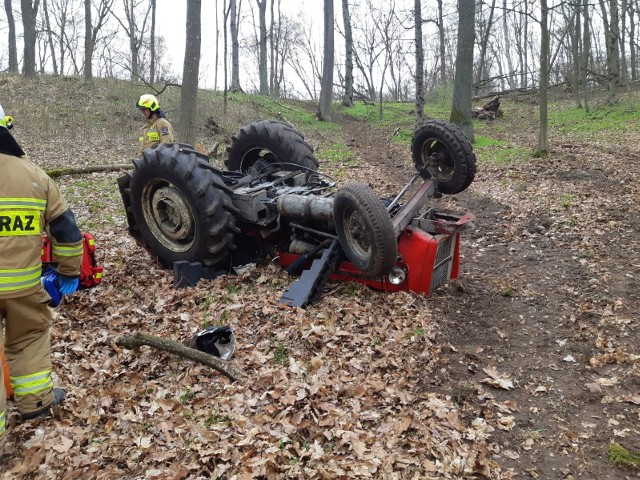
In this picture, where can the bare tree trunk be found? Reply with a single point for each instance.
(507, 46)
(616, 75)
(624, 72)
(262, 59)
(417, 14)
(586, 49)
(633, 60)
(134, 29)
(543, 141)
(50, 37)
(326, 87)
(481, 73)
(272, 49)
(152, 53)
(276, 50)
(91, 34)
(523, 47)
(13, 47)
(215, 75)
(29, 16)
(225, 96)
(190, 71)
(461, 105)
(88, 44)
(576, 38)
(347, 99)
(441, 34)
(613, 51)
(235, 48)
(133, 45)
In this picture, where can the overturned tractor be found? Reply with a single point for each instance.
(204, 221)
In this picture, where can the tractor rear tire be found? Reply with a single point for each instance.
(365, 230)
(441, 151)
(182, 209)
(270, 142)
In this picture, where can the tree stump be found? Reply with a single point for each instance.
(489, 111)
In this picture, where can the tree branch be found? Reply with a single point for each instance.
(138, 339)
(58, 172)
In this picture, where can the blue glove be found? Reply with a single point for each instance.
(49, 281)
(67, 285)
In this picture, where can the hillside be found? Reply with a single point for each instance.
(528, 367)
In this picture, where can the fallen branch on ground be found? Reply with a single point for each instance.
(58, 172)
(395, 132)
(138, 339)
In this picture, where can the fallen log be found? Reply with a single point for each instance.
(58, 172)
(138, 339)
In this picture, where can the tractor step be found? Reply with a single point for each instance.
(306, 290)
(187, 274)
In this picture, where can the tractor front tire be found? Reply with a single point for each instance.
(269, 142)
(365, 230)
(182, 209)
(441, 151)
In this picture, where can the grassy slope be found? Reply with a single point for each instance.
(61, 122)
(52, 111)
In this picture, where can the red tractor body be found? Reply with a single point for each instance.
(427, 259)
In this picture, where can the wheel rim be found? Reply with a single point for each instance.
(355, 232)
(437, 159)
(259, 158)
(168, 215)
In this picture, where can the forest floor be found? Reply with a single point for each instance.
(527, 367)
(548, 299)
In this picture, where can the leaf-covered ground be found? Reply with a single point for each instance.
(528, 367)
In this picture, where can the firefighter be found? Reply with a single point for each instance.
(30, 204)
(157, 129)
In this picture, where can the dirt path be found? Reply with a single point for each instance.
(547, 302)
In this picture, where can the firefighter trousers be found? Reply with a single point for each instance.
(27, 346)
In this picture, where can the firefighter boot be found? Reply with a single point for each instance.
(58, 397)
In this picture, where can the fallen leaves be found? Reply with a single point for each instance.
(358, 386)
(496, 379)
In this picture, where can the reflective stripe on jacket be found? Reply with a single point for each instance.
(156, 131)
(29, 202)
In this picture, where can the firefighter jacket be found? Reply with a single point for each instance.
(30, 204)
(156, 131)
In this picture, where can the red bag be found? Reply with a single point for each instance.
(90, 271)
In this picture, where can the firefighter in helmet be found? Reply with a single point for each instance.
(157, 129)
(30, 204)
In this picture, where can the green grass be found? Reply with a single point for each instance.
(625, 116)
(280, 355)
(566, 200)
(216, 419)
(508, 292)
(623, 457)
(500, 152)
(337, 154)
(187, 396)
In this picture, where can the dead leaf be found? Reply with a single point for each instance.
(497, 379)
(594, 387)
(62, 444)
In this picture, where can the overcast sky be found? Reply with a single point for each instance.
(171, 23)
